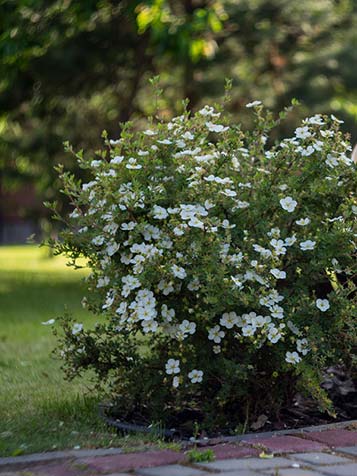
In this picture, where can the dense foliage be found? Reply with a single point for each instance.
(222, 264)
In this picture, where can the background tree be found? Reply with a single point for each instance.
(70, 69)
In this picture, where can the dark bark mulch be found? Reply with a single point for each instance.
(303, 412)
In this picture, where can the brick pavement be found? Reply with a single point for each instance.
(329, 452)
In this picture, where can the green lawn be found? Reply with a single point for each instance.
(39, 411)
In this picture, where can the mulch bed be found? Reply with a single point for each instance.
(342, 390)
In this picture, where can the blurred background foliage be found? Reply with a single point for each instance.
(70, 68)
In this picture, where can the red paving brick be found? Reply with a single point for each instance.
(121, 463)
(286, 444)
(334, 438)
(60, 469)
(131, 461)
(225, 451)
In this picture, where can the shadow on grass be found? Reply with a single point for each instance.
(34, 297)
(55, 423)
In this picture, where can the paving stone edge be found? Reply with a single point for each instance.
(18, 461)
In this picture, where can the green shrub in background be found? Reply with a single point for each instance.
(222, 265)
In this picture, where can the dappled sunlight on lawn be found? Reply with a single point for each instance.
(35, 259)
(34, 397)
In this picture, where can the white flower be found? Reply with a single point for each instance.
(278, 246)
(167, 314)
(307, 245)
(283, 187)
(217, 349)
(165, 287)
(274, 233)
(215, 127)
(263, 251)
(293, 328)
(302, 346)
(277, 311)
(334, 118)
(193, 285)
(195, 376)
(128, 226)
(274, 335)
(318, 145)
(103, 281)
(245, 185)
(229, 193)
(88, 186)
(165, 141)
(292, 358)
(303, 221)
(48, 323)
(176, 382)
(187, 327)
(290, 240)
(275, 296)
(228, 319)
(181, 144)
(77, 328)
(237, 280)
(172, 366)
(187, 212)
(118, 159)
(226, 225)
(240, 204)
(149, 132)
(316, 119)
(146, 313)
(132, 164)
(112, 248)
(278, 274)
(160, 213)
(122, 308)
(308, 151)
(188, 136)
(288, 204)
(260, 321)
(98, 240)
(331, 161)
(151, 233)
(196, 223)
(253, 104)
(178, 272)
(149, 326)
(208, 111)
(208, 204)
(129, 283)
(109, 299)
(235, 163)
(180, 230)
(323, 304)
(302, 132)
(248, 330)
(332, 220)
(111, 228)
(216, 334)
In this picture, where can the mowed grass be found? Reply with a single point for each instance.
(39, 410)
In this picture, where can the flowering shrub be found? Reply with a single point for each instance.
(222, 265)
